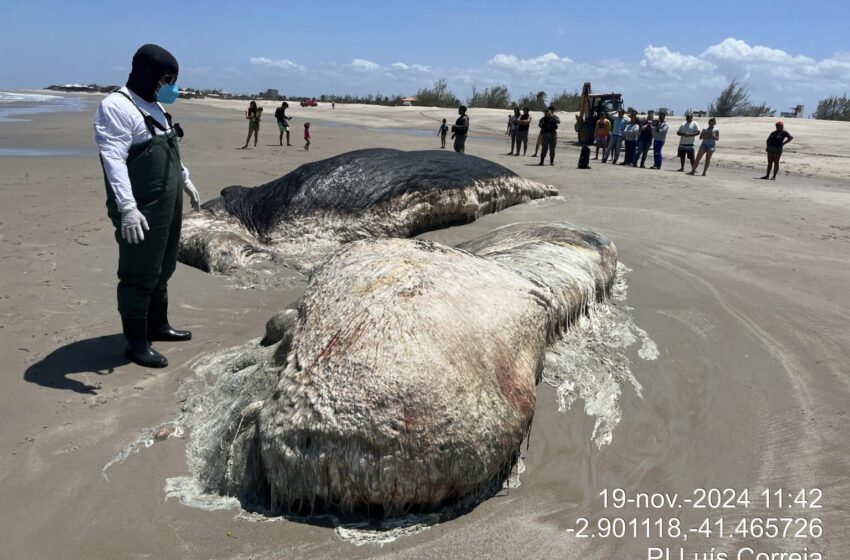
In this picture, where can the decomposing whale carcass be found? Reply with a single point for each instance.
(406, 377)
(311, 211)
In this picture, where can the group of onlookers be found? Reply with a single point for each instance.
(639, 134)
(518, 127)
(611, 136)
(254, 115)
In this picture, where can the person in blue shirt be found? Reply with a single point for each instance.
(619, 124)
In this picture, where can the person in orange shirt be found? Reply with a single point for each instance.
(603, 130)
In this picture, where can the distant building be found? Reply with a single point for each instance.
(795, 113)
(271, 94)
(702, 114)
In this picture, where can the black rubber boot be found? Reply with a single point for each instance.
(584, 158)
(158, 327)
(138, 349)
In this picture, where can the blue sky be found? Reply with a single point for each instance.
(657, 53)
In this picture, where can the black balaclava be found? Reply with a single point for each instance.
(150, 64)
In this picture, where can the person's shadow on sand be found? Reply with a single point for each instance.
(100, 355)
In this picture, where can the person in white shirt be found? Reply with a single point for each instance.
(688, 131)
(659, 136)
(144, 177)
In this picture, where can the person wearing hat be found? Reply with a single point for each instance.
(144, 177)
(460, 129)
(775, 142)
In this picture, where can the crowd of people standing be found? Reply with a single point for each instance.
(519, 125)
(626, 135)
(638, 135)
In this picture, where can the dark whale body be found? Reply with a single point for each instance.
(301, 217)
(352, 182)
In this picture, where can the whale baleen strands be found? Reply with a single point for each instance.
(405, 380)
(296, 220)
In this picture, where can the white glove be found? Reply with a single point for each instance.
(133, 225)
(194, 197)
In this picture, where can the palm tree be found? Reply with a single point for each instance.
(541, 99)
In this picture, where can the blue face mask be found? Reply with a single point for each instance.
(167, 93)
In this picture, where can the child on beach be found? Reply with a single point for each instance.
(307, 135)
(444, 130)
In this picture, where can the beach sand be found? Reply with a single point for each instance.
(743, 284)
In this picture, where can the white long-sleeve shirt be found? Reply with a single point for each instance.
(117, 126)
(659, 131)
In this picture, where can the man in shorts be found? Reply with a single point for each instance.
(688, 131)
(283, 122)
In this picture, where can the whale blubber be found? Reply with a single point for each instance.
(409, 380)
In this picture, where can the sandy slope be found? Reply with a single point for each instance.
(743, 284)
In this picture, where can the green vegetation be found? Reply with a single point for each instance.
(438, 96)
(496, 97)
(833, 108)
(567, 101)
(734, 101)
(534, 101)
(370, 99)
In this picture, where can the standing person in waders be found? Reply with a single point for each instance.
(144, 178)
(549, 132)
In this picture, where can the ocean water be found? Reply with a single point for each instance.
(19, 106)
(15, 106)
(36, 152)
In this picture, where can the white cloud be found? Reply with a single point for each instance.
(657, 76)
(410, 67)
(738, 51)
(664, 60)
(364, 65)
(282, 64)
(535, 65)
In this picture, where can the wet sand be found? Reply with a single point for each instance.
(742, 284)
